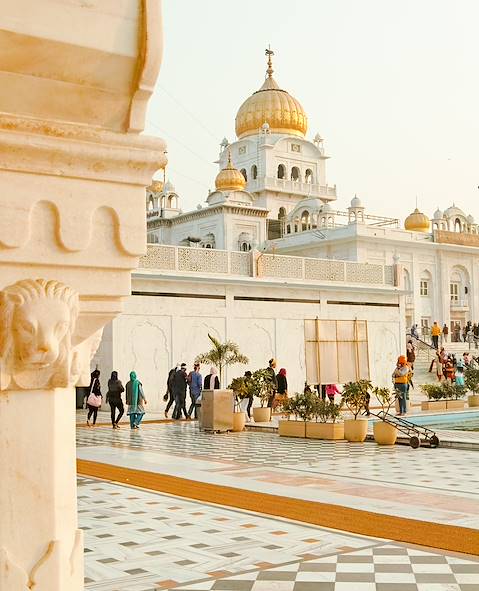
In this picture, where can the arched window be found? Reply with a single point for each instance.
(457, 225)
(281, 171)
(295, 174)
(170, 201)
(254, 172)
(245, 246)
(243, 172)
(207, 246)
(304, 220)
(281, 213)
(308, 176)
(288, 229)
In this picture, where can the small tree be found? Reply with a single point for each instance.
(326, 410)
(222, 355)
(301, 405)
(262, 385)
(452, 390)
(355, 396)
(471, 379)
(386, 399)
(241, 388)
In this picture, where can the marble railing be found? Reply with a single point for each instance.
(254, 264)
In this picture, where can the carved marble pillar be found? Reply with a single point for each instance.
(73, 168)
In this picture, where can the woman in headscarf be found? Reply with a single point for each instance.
(94, 397)
(211, 381)
(282, 382)
(136, 400)
(113, 397)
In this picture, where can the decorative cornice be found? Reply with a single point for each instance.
(68, 150)
(207, 212)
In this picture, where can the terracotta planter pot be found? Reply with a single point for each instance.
(239, 421)
(355, 430)
(292, 428)
(261, 414)
(324, 430)
(384, 434)
(455, 404)
(433, 405)
(473, 400)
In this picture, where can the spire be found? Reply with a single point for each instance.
(229, 164)
(269, 52)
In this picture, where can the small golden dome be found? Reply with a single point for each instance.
(417, 222)
(156, 186)
(271, 105)
(230, 178)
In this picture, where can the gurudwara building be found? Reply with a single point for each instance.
(271, 262)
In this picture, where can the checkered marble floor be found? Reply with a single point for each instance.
(443, 469)
(137, 540)
(384, 567)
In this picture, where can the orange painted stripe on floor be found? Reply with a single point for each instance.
(367, 523)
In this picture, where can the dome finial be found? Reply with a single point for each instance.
(229, 163)
(269, 52)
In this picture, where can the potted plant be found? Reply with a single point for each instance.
(262, 387)
(327, 424)
(299, 406)
(471, 378)
(221, 356)
(355, 398)
(453, 396)
(384, 433)
(435, 395)
(240, 389)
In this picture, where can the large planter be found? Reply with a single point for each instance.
(433, 405)
(262, 414)
(292, 428)
(355, 430)
(384, 434)
(324, 430)
(455, 404)
(239, 421)
(473, 400)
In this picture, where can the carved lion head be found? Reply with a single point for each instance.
(37, 319)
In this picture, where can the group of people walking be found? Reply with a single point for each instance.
(134, 398)
(469, 333)
(177, 385)
(450, 368)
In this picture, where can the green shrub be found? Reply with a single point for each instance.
(355, 396)
(433, 391)
(471, 378)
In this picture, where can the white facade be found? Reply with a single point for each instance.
(182, 294)
(440, 271)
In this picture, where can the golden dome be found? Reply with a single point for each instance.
(230, 178)
(156, 186)
(271, 105)
(417, 222)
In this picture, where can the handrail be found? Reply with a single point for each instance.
(418, 340)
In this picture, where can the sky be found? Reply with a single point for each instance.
(391, 85)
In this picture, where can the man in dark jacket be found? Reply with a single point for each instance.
(169, 389)
(179, 384)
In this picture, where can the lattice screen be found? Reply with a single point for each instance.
(336, 351)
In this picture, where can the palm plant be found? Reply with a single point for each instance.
(222, 355)
(355, 396)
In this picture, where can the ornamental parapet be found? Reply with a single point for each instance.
(183, 259)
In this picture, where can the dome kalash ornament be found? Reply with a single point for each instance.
(417, 222)
(230, 178)
(271, 105)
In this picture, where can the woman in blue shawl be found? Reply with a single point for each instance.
(135, 400)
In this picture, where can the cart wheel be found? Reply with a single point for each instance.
(414, 442)
(434, 441)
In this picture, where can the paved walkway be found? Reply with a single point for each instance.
(137, 540)
(430, 487)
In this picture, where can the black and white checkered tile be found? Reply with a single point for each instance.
(385, 567)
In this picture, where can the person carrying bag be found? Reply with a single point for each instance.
(94, 398)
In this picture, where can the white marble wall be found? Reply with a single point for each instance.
(156, 332)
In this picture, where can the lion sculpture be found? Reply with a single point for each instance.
(37, 320)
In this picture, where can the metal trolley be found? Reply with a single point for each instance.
(418, 435)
